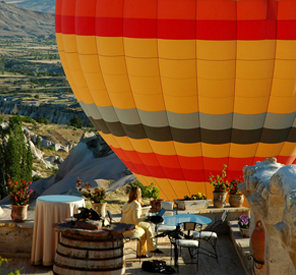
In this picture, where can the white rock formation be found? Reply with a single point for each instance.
(92, 161)
(270, 189)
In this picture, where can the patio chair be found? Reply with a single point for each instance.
(211, 237)
(188, 242)
(126, 238)
(162, 227)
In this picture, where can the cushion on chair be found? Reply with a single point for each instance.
(204, 234)
(187, 243)
(164, 227)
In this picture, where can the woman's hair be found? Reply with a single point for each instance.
(135, 194)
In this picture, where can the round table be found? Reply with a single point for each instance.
(49, 210)
(180, 218)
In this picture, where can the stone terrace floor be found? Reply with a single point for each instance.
(229, 262)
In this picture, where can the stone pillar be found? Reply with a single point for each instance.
(270, 189)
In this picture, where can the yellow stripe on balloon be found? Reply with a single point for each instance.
(110, 46)
(267, 151)
(134, 47)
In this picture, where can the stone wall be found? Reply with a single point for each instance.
(270, 189)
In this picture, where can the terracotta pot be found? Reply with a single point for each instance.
(100, 208)
(19, 213)
(236, 200)
(219, 199)
(156, 205)
(258, 242)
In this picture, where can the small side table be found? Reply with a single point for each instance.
(49, 210)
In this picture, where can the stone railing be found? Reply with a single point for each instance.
(270, 189)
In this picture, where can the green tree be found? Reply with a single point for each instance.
(76, 122)
(12, 159)
(16, 158)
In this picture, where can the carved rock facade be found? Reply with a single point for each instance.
(270, 189)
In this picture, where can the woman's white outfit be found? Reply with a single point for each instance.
(131, 213)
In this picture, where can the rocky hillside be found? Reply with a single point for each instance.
(19, 22)
(59, 113)
(36, 5)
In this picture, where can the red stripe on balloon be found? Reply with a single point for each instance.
(177, 29)
(286, 30)
(85, 25)
(199, 173)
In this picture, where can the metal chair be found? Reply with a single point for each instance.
(126, 238)
(211, 237)
(188, 242)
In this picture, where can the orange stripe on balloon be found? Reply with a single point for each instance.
(170, 169)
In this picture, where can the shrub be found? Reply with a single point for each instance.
(149, 191)
(76, 122)
(36, 177)
(43, 120)
(28, 120)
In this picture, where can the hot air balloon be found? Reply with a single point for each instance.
(177, 88)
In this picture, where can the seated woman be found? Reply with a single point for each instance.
(131, 213)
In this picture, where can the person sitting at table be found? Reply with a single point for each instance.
(131, 213)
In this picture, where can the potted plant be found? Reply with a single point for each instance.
(95, 195)
(195, 201)
(236, 198)
(244, 225)
(221, 188)
(152, 192)
(19, 197)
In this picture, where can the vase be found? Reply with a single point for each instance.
(219, 199)
(258, 242)
(100, 208)
(245, 232)
(236, 200)
(192, 204)
(19, 213)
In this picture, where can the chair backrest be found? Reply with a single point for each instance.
(110, 216)
(219, 224)
(224, 216)
(190, 226)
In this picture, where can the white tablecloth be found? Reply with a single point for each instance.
(49, 210)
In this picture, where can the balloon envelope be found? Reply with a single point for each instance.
(178, 88)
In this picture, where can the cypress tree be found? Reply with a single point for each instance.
(12, 160)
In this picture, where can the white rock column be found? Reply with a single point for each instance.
(270, 189)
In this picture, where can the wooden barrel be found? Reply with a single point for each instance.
(88, 255)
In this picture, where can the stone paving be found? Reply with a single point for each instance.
(229, 263)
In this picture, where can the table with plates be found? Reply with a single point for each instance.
(177, 220)
(50, 209)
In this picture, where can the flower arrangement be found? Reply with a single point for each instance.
(198, 196)
(19, 191)
(96, 195)
(220, 182)
(233, 187)
(244, 221)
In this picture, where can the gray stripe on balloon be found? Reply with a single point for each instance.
(191, 120)
(196, 135)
